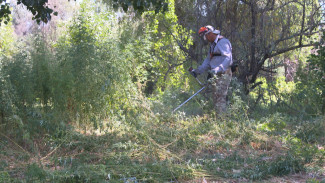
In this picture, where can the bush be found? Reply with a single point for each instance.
(310, 93)
(35, 173)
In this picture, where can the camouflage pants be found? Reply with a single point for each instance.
(219, 89)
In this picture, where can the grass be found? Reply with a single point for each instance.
(171, 148)
(147, 144)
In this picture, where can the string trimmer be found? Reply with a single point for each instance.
(204, 86)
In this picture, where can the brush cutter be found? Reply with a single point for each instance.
(204, 86)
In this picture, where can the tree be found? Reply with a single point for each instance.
(259, 30)
(292, 31)
(153, 46)
(141, 5)
(42, 12)
(39, 8)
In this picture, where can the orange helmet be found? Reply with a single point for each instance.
(203, 31)
(206, 29)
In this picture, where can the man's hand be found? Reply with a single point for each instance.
(192, 71)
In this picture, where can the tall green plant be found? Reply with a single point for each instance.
(41, 58)
(310, 92)
(316, 72)
(91, 76)
(7, 39)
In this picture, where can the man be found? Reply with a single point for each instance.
(218, 63)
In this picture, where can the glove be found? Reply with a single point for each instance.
(212, 73)
(192, 72)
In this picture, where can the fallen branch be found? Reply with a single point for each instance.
(15, 143)
(49, 154)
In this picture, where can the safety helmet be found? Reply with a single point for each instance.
(207, 29)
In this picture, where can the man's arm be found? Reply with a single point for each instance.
(203, 67)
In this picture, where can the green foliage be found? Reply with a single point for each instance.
(80, 78)
(7, 38)
(316, 72)
(43, 13)
(308, 97)
(4, 177)
(35, 173)
(141, 6)
(4, 12)
(6, 94)
(40, 72)
(311, 131)
(81, 70)
(275, 123)
(152, 47)
(314, 181)
(39, 9)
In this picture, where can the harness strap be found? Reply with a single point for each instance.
(216, 54)
(211, 50)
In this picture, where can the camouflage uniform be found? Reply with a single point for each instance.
(218, 61)
(219, 88)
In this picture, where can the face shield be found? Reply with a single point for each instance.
(204, 37)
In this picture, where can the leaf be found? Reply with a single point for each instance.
(115, 7)
(125, 7)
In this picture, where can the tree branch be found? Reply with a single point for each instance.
(268, 70)
(290, 49)
(254, 86)
(274, 9)
(303, 33)
(302, 23)
(268, 7)
(193, 56)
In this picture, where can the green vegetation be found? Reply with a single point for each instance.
(92, 101)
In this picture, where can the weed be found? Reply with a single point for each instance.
(311, 131)
(34, 173)
(4, 177)
(315, 181)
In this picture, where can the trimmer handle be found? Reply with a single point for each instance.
(195, 75)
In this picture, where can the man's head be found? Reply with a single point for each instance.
(209, 33)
